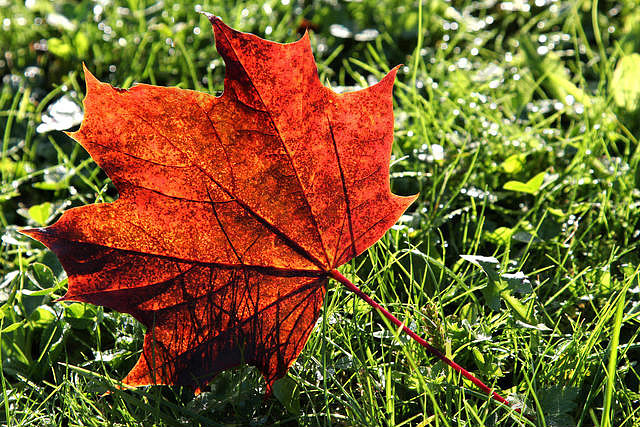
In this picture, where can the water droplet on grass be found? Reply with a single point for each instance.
(61, 115)
(366, 35)
(340, 31)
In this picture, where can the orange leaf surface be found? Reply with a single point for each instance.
(232, 211)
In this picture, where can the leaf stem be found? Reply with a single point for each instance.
(335, 274)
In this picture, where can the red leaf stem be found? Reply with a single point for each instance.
(335, 274)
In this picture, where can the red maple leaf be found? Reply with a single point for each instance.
(233, 211)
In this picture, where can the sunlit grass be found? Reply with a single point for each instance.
(512, 123)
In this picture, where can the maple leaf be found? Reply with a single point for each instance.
(233, 211)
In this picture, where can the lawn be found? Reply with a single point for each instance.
(517, 124)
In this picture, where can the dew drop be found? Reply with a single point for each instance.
(542, 50)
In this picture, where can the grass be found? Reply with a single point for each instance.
(517, 124)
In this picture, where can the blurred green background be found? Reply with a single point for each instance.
(516, 121)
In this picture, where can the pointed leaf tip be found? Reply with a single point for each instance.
(32, 232)
(409, 199)
(394, 71)
(217, 23)
(89, 79)
(387, 82)
(40, 234)
(211, 17)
